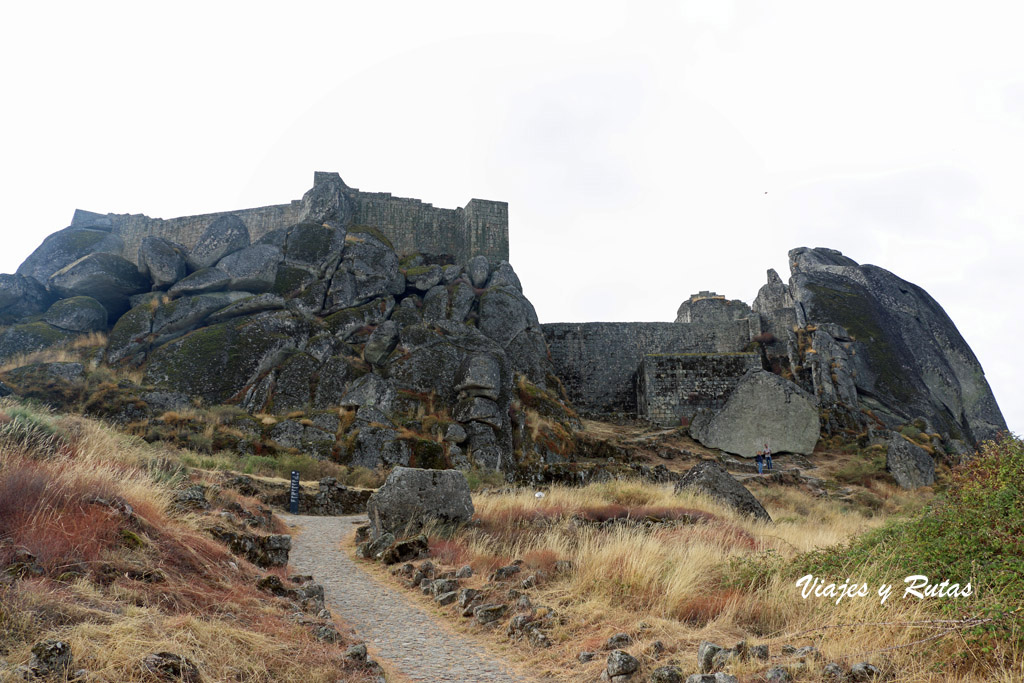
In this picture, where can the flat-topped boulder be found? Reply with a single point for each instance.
(710, 478)
(763, 409)
(411, 497)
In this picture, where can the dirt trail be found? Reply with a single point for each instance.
(419, 646)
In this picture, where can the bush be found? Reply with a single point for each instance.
(975, 533)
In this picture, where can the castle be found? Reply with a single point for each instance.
(412, 226)
(661, 371)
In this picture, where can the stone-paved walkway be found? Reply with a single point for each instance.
(406, 636)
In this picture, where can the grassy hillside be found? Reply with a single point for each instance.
(95, 552)
(671, 570)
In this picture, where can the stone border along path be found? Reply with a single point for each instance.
(406, 636)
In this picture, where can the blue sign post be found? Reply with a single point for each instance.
(293, 499)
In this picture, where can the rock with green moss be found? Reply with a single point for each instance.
(20, 339)
(64, 248)
(332, 381)
(225, 235)
(368, 270)
(77, 314)
(217, 363)
(293, 382)
(347, 321)
(130, 338)
(21, 297)
(381, 343)
(200, 282)
(174, 318)
(162, 261)
(253, 269)
(905, 351)
(108, 278)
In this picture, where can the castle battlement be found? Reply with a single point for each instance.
(413, 226)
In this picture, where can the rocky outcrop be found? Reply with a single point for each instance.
(763, 409)
(710, 478)
(162, 261)
(909, 464)
(867, 340)
(108, 278)
(412, 497)
(224, 236)
(21, 297)
(63, 248)
(77, 314)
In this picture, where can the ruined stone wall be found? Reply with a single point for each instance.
(411, 225)
(675, 386)
(599, 362)
(187, 229)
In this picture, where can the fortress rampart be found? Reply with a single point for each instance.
(600, 363)
(481, 227)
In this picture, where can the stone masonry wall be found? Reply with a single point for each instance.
(411, 225)
(675, 386)
(599, 362)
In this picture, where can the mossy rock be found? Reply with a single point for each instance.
(292, 280)
(358, 230)
(311, 244)
(29, 337)
(217, 362)
(130, 333)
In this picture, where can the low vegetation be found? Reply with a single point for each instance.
(94, 552)
(676, 569)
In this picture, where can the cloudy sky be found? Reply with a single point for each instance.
(647, 150)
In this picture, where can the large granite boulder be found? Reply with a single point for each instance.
(763, 409)
(326, 201)
(712, 479)
(108, 278)
(202, 281)
(225, 235)
(77, 314)
(175, 317)
(909, 464)
(368, 270)
(29, 337)
(20, 297)
(219, 362)
(910, 358)
(64, 248)
(253, 269)
(162, 261)
(411, 497)
(313, 247)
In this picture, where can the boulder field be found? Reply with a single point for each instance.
(372, 358)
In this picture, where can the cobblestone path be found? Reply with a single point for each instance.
(407, 637)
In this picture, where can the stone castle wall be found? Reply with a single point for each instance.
(675, 386)
(481, 227)
(599, 363)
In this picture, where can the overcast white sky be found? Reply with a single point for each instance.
(647, 150)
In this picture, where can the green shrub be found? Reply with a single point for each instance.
(974, 533)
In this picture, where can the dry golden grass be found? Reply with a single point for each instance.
(63, 498)
(684, 583)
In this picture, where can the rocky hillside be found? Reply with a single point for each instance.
(878, 351)
(365, 358)
(321, 338)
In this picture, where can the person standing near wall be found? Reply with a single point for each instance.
(768, 457)
(759, 459)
